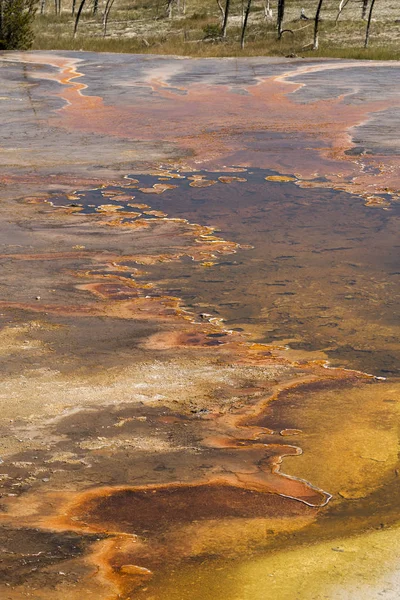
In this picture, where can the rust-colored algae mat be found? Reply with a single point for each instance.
(198, 328)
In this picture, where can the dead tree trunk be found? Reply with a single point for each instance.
(364, 9)
(281, 14)
(95, 7)
(226, 15)
(316, 25)
(246, 16)
(221, 10)
(267, 10)
(371, 8)
(42, 6)
(169, 8)
(107, 11)
(342, 6)
(78, 16)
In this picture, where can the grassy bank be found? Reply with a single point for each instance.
(194, 29)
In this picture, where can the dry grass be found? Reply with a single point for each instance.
(145, 28)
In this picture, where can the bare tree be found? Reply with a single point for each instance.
(78, 16)
(267, 10)
(342, 6)
(73, 7)
(106, 15)
(226, 15)
(246, 16)
(221, 10)
(316, 25)
(344, 3)
(57, 7)
(280, 15)
(168, 8)
(42, 6)
(371, 8)
(106, 10)
(95, 7)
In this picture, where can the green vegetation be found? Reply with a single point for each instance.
(16, 20)
(144, 26)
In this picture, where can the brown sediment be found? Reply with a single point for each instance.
(142, 206)
(167, 174)
(112, 208)
(175, 339)
(121, 197)
(280, 178)
(55, 255)
(150, 510)
(160, 525)
(53, 309)
(290, 432)
(121, 222)
(43, 200)
(376, 201)
(159, 309)
(227, 179)
(158, 188)
(155, 213)
(201, 183)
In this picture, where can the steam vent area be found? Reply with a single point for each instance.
(199, 357)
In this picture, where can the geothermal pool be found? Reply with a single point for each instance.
(198, 327)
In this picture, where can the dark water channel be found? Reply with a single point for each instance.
(322, 274)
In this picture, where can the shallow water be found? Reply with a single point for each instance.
(322, 273)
